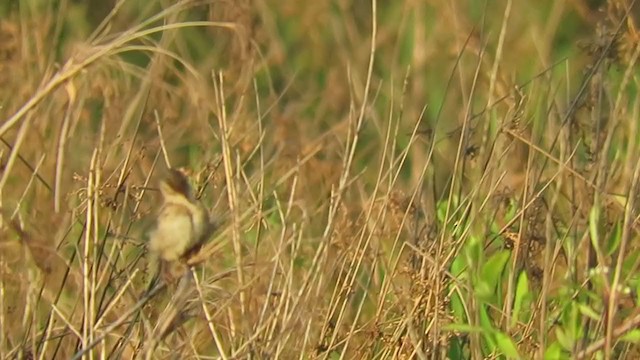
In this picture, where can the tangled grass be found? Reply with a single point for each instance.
(389, 180)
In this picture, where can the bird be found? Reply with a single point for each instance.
(183, 223)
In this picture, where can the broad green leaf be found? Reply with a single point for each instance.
(489, 345)
(555, 352)
(457, 307)
(491, 272)
(632, 336)
(506, 345)
(486, 322)
(492, 269)
(521, 297)
(589, 312)
(484, 291)
(456, 350)
(614, 239)
(441, 211)
(473, 252)
(631, 258)
(459, 271)
(563, 339)
(458, 267)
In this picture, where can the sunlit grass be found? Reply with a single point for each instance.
(398, 180)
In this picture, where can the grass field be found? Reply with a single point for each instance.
(389, 180)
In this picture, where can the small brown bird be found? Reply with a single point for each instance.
(183, 223)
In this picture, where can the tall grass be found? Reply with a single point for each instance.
(389, 180)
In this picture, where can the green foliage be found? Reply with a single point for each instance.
(522, 302)
(506, 346)
(543, 107)
(491, 275)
